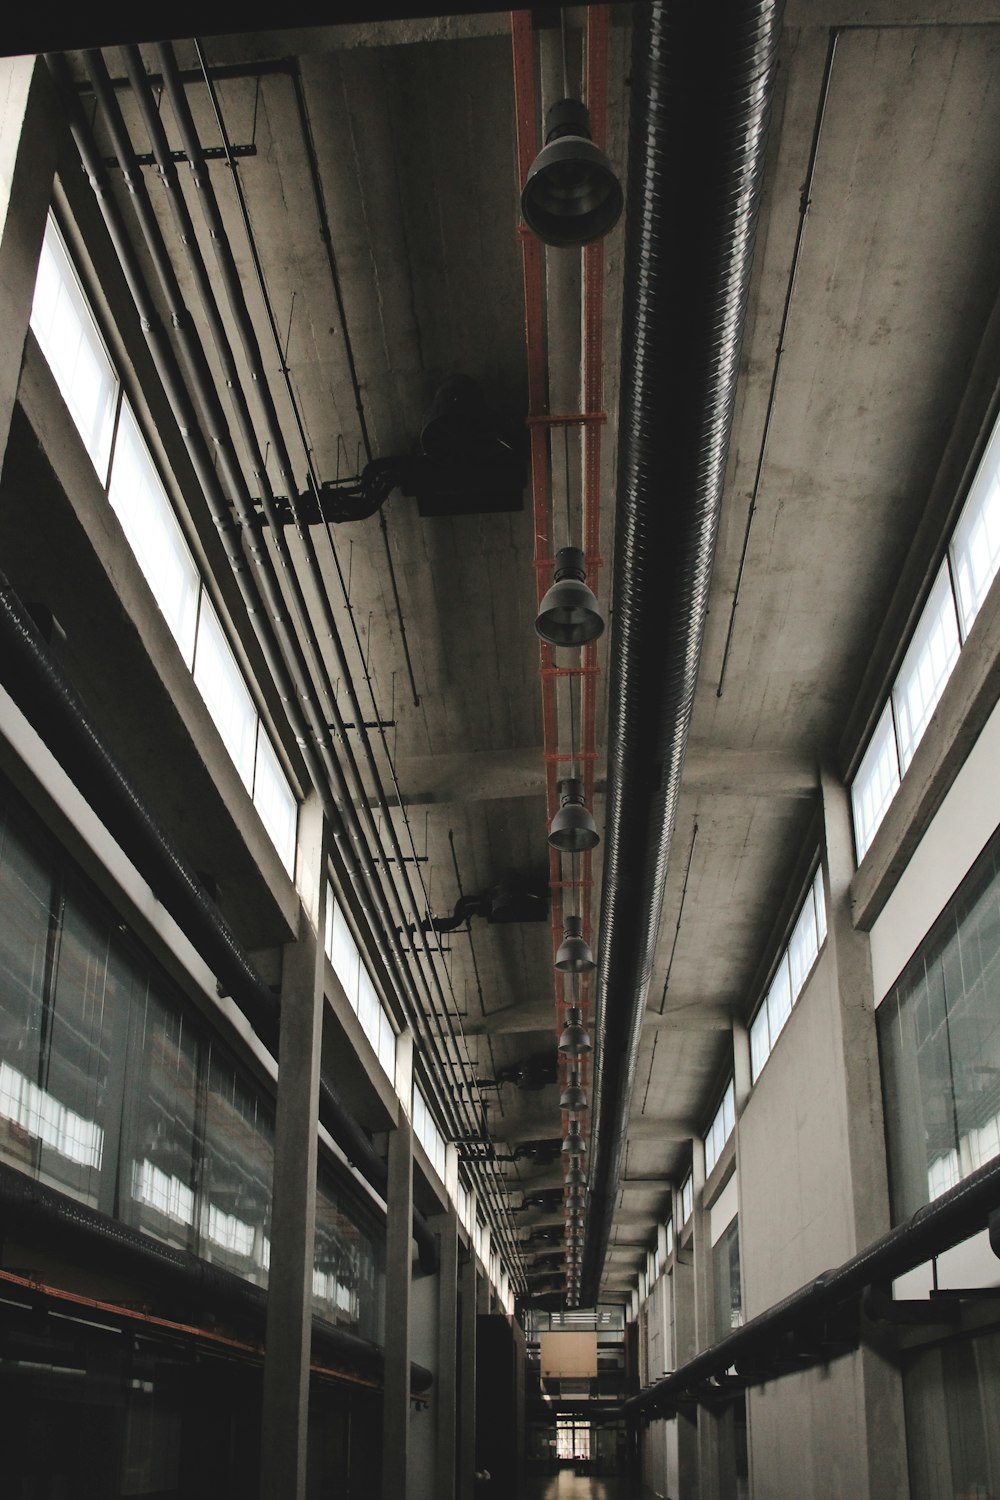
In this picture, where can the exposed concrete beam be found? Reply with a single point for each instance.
(666, 1128)
(486, 775)
(541, 1016)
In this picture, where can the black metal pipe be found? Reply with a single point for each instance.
(702, 79)
(231, 282)
(293, 684)
(962, 1211)
(54, 709)
(51, 1220)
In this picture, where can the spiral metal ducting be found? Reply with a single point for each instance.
(702, 79)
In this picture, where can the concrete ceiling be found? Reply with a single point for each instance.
(874, 278)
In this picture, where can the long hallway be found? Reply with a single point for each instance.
(568, 1486)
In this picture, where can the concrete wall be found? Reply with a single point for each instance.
(793, 1160)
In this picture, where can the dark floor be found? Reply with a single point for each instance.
(567, 1486)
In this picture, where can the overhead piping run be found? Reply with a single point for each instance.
(702, 80)
(280, 644)
(251, 351)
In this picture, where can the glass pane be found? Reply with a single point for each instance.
(165, 1149)
(238, 1171)
(343, 955)
(368, 1007)
(975, 546)
(26, 896)
(387, 1045)
(64, 326)
(220, 682)
(939, 1044)
(141, 505)
(876, 783)
(760, 1042)
(803, 947)
(819, 899)
(69, 1109)
(926, 667)
(275, 801)
(348, 1263)
(779, 1000)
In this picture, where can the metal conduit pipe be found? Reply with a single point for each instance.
(241, 316)
(313, 737)
(70, 1228)
(52, 706)
(701, 89)
(308, 735)
(957, 1214)
(240, 312)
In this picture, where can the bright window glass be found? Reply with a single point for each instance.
(141, 505)
(975, 546)
(221, 684)
(926, 667)
(721, 1128)
(670, 1236)
(794, 968)
(687, 1198)
(876, 783)
(427, 1134)
(67, 333)
(274, 800)
(345, 956)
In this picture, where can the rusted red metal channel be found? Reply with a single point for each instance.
(540, 424)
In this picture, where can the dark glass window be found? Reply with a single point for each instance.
(939, 1043)
(113, 1089)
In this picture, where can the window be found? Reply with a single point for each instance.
(67, 334)
(429, 1135)
(975, 546)
(687, 1198)
(345, 956)
(143, 1114)
(793, 970)
(721, 1128)
(670, 1237)
(140, 502)
(939, 1045)
(926, 667)
(954, 601)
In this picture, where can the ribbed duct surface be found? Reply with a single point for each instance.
(702, 80)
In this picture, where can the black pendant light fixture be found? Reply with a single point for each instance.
(573, 1095)
(573, 955)
(571, 195)
(569, 614)
(575, 1039)
(573, 830)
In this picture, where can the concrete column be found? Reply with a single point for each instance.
(31, 136)
(685, 1348)
(880, 1399)
(467, 1381)
(704, 1319)
(398, 1267)
(741, 1066)
(445, 1397)
(293, 1216)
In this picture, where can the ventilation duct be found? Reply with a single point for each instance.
(702, 80)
